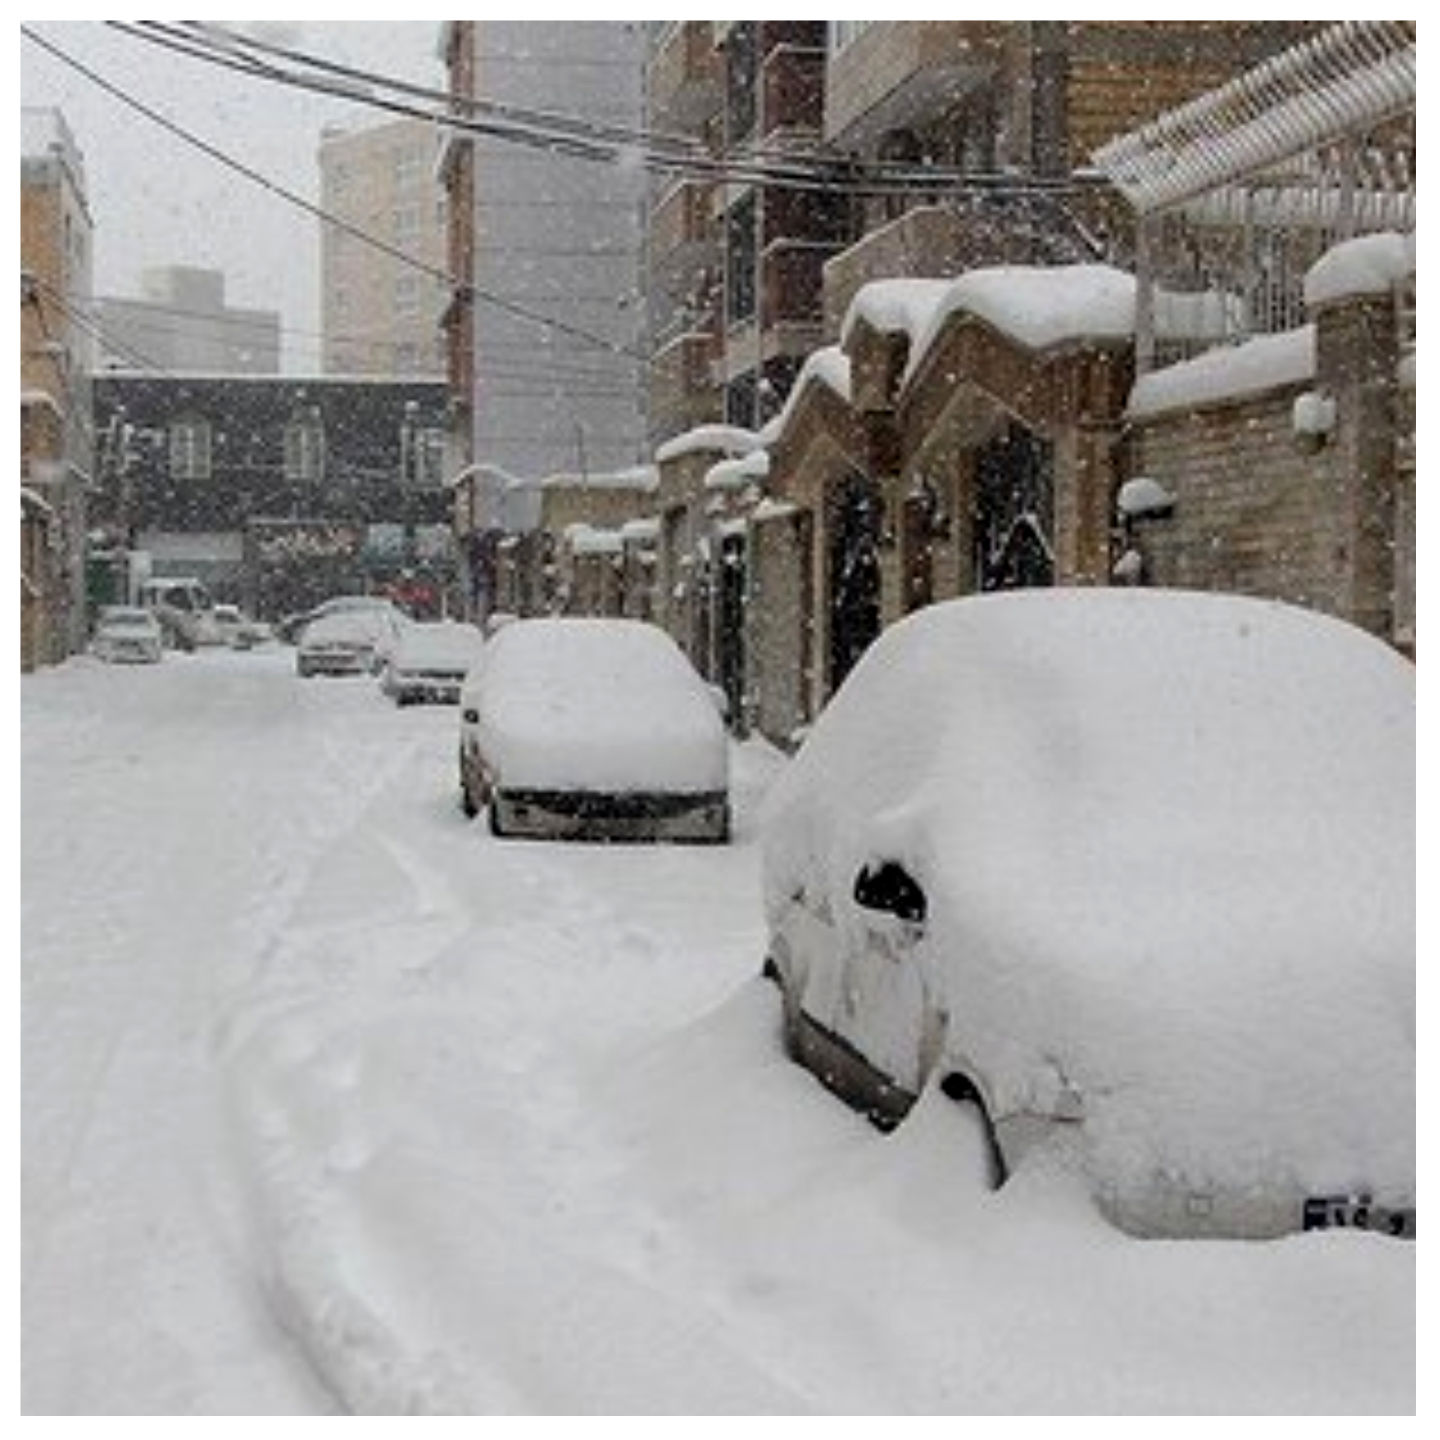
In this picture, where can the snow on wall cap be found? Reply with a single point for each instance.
(644, 529)
(637, 477)
(587, 540)
(773, 510)
(1264, 363)
(890, 306)
(830, 366)
(728, 439)
(1144, 496)
(1313, 413)
(1367, 265)
(739, 471)
(1038, 306)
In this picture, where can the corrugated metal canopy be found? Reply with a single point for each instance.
(1347, 79)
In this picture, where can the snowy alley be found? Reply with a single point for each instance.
(333, 1103)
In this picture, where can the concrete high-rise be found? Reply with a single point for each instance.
(380, 314)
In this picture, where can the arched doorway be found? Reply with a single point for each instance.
(1014, 505)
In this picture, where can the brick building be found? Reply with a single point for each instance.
(249, 483)
(56, 362)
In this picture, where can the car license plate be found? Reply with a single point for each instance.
(1358, 1212)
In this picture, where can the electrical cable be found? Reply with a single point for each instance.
(519, 311)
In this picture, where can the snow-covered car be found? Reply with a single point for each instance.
(234, 628)
(592, 729)
(1133, 872)
(430, 662)
(347, 642)
(127, 633)
(291, 627)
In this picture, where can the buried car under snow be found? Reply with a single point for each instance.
(593, 729)
(347, 642)
(430, 662)
(1132, 871)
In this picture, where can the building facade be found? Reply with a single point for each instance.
(57, 425)
(381, 309)
(545, 322)
(276, 491)
(182, 324)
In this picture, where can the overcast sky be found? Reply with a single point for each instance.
(157, 201)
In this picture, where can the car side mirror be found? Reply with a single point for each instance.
(890, 888)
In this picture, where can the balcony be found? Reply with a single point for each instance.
(902, 74)
(929, 242)
(685, 78)
(683, 234)
(792, 88)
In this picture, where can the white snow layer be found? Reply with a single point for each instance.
(728, 439)
(507, 1128)
(1249, 368)
(598, 705)
(1168, 842)
(1366, 265)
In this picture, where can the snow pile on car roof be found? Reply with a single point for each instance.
(596, 705)
(1168, 846)
(440, 643)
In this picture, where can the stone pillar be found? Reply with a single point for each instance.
(1356, 364)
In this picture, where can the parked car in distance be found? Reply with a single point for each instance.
(127, 633)
(185, 610)
(592, 729)
(430, 662)
(233, 627)
(290, 627)
(347, 642)
(1132, 871)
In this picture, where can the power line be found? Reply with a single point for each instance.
(562, 327)
(585, 139)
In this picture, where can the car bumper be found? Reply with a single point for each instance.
(334, 663)
(687, 818)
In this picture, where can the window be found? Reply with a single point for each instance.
(407, 294)
(407, 224)
(740, 256)
(842, 32)
(409, 165)
(190, 449)
(423, 454)
(305, 447)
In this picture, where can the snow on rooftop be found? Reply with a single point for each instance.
(31, 498)
(636, 477)
(1264, 363)
(1037, 306)
(898, 305)
(644, 529)
(830, 366)
(729, 439)
(586, 539)
(738, 471)
(1366, 265)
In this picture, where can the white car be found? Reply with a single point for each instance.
(348, 642)
(1133, 872)
(128, 633)
(592, 729)
(430, 662)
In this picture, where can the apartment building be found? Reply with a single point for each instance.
(182, 323)
(380, 314)
(1019, 109)
(545, 321)
(56, 363)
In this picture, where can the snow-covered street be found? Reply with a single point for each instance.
(333, 1103)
